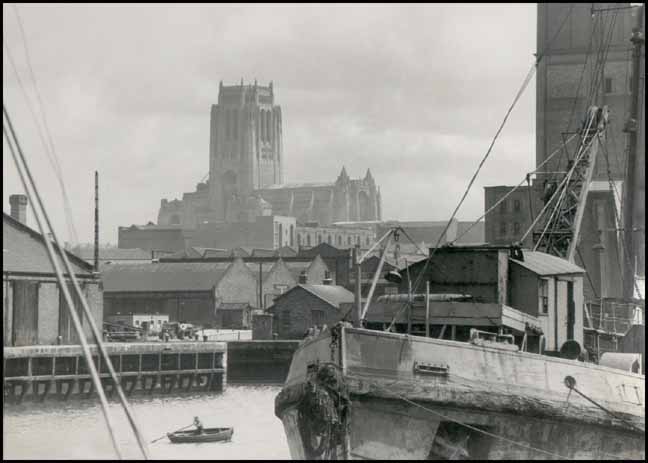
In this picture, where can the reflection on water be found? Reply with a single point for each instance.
(76, 429)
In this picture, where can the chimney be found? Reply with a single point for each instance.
(327, 278)
(303, 278)
(19, 208)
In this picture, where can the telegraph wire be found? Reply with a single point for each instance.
(28, 186)
(46, 140)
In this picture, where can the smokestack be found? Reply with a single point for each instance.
(96, 224)
(19, 208)
(327, 278)
(303, 278)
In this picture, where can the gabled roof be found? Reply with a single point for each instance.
(331, 294)
(24, 250)
(546, 264)
(234, 306)
(164, 276)
(286, 251)
(258, 252)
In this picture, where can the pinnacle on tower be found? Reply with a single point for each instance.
(368, 176)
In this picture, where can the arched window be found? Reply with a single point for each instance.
(299, 239)
(358, 239)
(261, 126)
(319, 239)
(270, 126)
(292, 235)
(368, 241)
(328, 239)
(349, 240)
(228, 123)
(280, 235)
(339, 240)
(308, 240)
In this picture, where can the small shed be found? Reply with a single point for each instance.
(308, 305)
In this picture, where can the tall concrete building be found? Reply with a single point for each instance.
(570, 78)
(586, 51)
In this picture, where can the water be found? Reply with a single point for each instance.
(77, 429)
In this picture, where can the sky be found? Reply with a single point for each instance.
(413, 92)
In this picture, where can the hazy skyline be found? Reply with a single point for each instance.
(415, 93)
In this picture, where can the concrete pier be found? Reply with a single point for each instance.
(259, 361)
(40, 372)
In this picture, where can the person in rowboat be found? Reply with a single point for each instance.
(198, 425)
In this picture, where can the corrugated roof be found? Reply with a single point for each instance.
(24, 250)
(541, 263)
(334, 295)
(164, 276)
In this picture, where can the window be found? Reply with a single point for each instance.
(368, 241)
(292, 235)
(516, 205)
(503, 228)
(516, 228)
(319, 239)
(317, 317)
(608, 85)
(339, 240)
(299, 240)
(308, 240)
(136, 322)
(543, 296)
(328, 239)
(503, 207)
(358, 239)
(349, 240)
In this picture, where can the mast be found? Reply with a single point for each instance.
(96, 224)
(635, 163)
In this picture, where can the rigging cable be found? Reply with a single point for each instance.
(525, 82)
(84, 304)
(49, 147)
(525, 179)
(50, 252)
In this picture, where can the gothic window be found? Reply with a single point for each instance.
(292, 234)
(299, 240)
(319, 239)
(228, 125)
(516, 228)
(363, 203)
(328, 240)
(280, 235)
(358, 239)
(270, 126)
(503, 207)
(543, 293)
(308, 240)
(516, 205)
(349, 240)
(339, 240)
(368, 241)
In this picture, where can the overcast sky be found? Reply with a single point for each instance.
(415, 93)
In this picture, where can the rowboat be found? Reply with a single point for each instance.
(208, 435)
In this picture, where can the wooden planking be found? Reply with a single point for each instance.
(25, 313)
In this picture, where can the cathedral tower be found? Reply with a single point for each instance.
(245, 146)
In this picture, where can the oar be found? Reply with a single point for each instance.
(173, 431)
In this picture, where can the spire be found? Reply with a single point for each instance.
(368, 176)
(343, 177)
(241, 81)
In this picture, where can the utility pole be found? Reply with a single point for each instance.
(633, 127)
(357, 313)
(96, 224)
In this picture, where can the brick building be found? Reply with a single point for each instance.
(34, 308)
(308, 305)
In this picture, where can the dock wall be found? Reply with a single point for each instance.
(259, 361)
(40, 372)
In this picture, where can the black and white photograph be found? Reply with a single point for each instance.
(323, 231)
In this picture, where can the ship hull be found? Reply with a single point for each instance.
(406, 397)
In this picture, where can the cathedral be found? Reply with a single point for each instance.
(246, 173)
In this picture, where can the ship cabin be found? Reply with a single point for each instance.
(495, 293)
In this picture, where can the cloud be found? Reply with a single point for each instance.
(413, 92)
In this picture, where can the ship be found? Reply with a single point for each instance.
(464, 390)
(487, 363)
